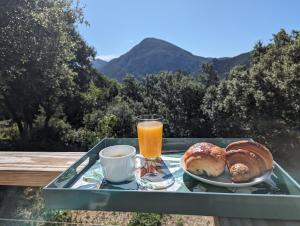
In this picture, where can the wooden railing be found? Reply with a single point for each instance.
(34, 168)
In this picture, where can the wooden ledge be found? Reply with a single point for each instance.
(34, 168)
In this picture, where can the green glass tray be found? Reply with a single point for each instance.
(82, 187)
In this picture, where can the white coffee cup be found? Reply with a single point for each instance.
(119, 162)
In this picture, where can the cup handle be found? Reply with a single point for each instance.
(139, 161)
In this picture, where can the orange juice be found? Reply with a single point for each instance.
(150, 138)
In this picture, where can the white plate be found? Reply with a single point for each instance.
(224, 180)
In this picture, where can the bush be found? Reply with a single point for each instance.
(59, 130)
(29, 204)
(8, 130)
(57, 216)
(145, 219)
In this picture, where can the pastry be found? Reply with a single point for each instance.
(247, 159)
(205, 158)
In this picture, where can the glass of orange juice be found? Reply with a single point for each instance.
(155, 173)
(150, 131)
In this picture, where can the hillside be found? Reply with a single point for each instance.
(154, 55)
(98, 64)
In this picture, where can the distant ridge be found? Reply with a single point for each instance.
(223, 65)
(99, 64)
(154, 55)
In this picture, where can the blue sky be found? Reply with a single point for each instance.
(211, 28)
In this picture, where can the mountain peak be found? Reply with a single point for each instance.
(152, 43)
(152, 40)
(156, 43)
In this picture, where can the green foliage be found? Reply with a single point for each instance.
(145, 219)
(29, 205)
(180, 222)
(8, 130)
(57, 216)
(38, 51)
(229, 104)
(175, 96)
(94, 96)
(131, 89)
(124, 120)
(263, 101)
(208, 75)
(100, 94)
(34, 203)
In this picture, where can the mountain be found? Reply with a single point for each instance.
(154, 55)
(98, 64)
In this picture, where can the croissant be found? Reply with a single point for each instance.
(247, 159)
(205, 158)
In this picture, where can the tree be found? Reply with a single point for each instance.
(208, 75)
(229, 105)
(39, 58)
(176, 96)
(263, 101)
(131, 89)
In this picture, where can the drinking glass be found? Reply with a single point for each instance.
(154, 174)
(150, 130)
